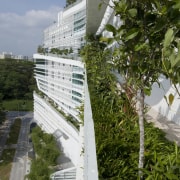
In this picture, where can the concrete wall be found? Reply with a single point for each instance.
(157, 101)
(51, 122)
(94, 15)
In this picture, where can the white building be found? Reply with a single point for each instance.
(5, 55)
(69, 30)
(63, 89)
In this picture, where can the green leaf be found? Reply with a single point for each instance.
(171, 99)
(132, 12)
(121, 6)
(139, 47)
(132, 34)
(169, 36)
(107, 40)
(111, 28)
(147, 91)
(171, 176)
(166, 64)
(177, 6)
(174, 60)
(160, 24)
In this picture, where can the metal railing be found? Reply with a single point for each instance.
(66, 174)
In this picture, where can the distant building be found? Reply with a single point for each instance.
(5, 55)
(20, 57)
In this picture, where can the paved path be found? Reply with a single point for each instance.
(171, 129)
(21, 163)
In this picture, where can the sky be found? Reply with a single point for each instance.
(22, 23)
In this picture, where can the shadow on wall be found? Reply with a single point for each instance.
(158, 93)
(159, 104)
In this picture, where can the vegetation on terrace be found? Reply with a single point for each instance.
(69, 2)
(69, 118)
(117, 128)
(47, 153)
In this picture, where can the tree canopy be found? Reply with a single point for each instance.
(16, 79)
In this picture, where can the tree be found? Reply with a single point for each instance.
(20, 82)
(141, 55)
(116, 126)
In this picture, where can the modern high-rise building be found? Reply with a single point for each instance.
(62, 105)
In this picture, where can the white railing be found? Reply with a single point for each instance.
(66, 174)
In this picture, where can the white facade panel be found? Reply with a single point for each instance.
(51, 121)
(62, 80)
(158, 102)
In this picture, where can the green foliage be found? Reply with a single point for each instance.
(61, 51)
(47, 153)
(41, 50)
(7, 157)
(150, 31)
(39, 170)
(14, 132)
(116, 127)
(171, 55)
(16, 79)
(18, 105)
(45, 146)
(148, 47)
(72, 120)
(2, 117)
(69, 2)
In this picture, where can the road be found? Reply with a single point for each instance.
(21, 164)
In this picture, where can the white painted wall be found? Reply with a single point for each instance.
(51, 121)
(159, 104)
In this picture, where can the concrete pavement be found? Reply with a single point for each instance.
(171, 129)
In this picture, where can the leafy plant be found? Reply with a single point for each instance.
(141, 46)
(117, 129)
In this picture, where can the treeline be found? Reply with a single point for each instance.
(16, 79)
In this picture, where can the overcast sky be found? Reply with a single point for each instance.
(22, 23)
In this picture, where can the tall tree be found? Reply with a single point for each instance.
(144, 51)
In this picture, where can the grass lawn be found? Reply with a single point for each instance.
(18, 105)
(5, 166)
(5, 171)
